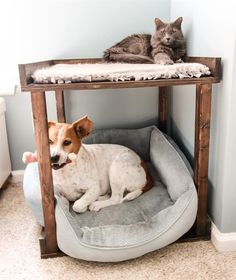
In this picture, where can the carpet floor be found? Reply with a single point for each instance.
(19, 254)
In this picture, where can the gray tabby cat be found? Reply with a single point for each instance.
(165, 46)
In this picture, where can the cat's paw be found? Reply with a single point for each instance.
(165, 62)
(179, 61)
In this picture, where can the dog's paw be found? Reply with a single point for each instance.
(79, 208)
(95, 206)
(103, 197)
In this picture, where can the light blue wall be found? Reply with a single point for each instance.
(211, 33)
(77, 29)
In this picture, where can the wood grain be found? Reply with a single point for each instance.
(61, 117)
(44, 166)
(202, 132)
(125, 84)
(201, 153)
(26, 70)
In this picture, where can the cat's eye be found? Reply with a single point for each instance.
(50, 142)
(67, 143)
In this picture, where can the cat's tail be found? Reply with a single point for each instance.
(110, 56)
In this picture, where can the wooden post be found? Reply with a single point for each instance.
(45, 173)
(201, 158)
(60, 105)
(163, 108)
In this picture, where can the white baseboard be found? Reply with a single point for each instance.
(17, 176)
(223, 242)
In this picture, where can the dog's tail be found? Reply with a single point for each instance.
(111, 56)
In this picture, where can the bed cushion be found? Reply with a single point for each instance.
(72, 73)
(119, 232)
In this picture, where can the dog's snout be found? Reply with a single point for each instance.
(55, 159)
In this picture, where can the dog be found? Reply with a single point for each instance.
(92, 176)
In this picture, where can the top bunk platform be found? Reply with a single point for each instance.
(28, 71)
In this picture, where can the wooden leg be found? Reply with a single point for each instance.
(163, 108)
(60, 105)
(201, 158)
(45, 173)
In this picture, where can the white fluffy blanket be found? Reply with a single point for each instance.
(71, 73)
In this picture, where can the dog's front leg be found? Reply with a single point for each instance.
(90, 196)
(116, 198)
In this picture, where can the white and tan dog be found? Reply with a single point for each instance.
(98, 175)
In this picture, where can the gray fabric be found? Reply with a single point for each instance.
(135, 139)
(181, 154)
(126, 235)
(32, 191)
(72, 246)
(169, 165)
(134, 223)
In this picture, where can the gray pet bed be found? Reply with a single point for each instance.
(131, 229)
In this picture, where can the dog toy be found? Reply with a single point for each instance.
(29, 157)
(32, 157)
(72, 156)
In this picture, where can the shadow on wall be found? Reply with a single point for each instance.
(180, 139)
(127, 108)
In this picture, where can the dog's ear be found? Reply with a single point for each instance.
(50, 123)
(83, 126)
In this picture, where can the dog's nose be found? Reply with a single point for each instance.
(54, 159)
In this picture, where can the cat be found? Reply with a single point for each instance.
(165, 46)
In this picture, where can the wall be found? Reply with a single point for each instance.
(44, 30)
(210, 31)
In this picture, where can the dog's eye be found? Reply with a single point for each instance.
(50, 142)
(66, 142)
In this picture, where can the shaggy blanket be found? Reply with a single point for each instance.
(72, 73)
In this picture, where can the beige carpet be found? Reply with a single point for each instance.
(19, 254)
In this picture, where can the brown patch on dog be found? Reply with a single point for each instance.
(67, 133)
(83, 126)
(149, 178)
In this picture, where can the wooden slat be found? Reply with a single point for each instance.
(80, 60)
(26, 70)
(60, 106)
(44, 166)
(125, 84)
(163, 108)
(43, 247)
(201, 157)
(214, 64)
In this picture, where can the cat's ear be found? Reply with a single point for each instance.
(177, 23)
(159, 23)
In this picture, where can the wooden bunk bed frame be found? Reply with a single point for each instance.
(201, 228)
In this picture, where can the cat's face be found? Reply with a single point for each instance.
(168, 34)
